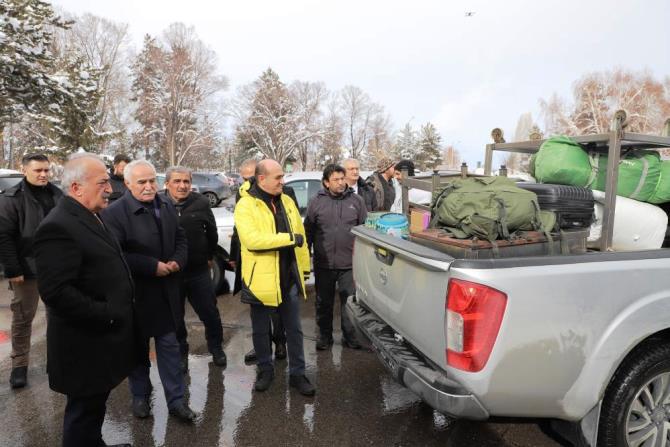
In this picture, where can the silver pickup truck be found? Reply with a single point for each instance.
(583, 340)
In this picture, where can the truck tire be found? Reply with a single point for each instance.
(636, 407)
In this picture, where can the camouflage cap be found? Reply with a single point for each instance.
(384, 164)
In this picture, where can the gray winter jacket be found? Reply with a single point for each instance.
(328, 225)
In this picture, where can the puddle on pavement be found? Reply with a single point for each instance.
(357, 403)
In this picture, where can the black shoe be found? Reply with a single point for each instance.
(183, 413)
(141, 407)
(219, 358)
(250, 356)
(323, 343)
(280, 351)
(264, 379)
(351, 343)
(114, 445)
(19, 377)
(303, 385)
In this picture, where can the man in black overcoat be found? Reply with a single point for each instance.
(155, 248)
(86, 285)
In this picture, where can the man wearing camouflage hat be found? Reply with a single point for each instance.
(380, 181)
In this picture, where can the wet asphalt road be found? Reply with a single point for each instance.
(357, 403)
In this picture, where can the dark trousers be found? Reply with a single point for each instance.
(82, 421)
(289, 313)
(277, 329)
(199, 289)
(327, 282)
(169, 370)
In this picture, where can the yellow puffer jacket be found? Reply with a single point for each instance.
(259, 242)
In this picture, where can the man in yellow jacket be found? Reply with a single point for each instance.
(275, 263)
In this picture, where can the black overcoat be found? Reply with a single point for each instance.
(86, 285)
(144, 242)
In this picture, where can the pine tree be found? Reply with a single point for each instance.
(26, 62)
(430, 151)
(50, 94)
(406, 145)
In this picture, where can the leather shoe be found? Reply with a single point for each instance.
(280, 351)
(323, 343)
(19, 377)
(264, 379)
(302, 384)
(183, 413)
(351, 343)
(219, 358)
(114, 445)
(250, 356)
(141, 407)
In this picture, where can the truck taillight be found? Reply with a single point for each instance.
(474, 313)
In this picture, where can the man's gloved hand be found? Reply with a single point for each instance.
(299, 240)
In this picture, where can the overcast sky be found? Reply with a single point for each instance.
(423, 60)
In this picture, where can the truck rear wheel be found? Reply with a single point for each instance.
(636, 407)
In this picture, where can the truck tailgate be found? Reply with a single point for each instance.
(404, 283)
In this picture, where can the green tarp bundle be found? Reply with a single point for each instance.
(662, 192)
(642, 174)
(561, 160)
(639, 173)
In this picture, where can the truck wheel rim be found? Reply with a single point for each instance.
(648, 418)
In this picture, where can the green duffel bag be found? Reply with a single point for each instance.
(639, 174)
(489, 208)
(662, 192)
(561, 160)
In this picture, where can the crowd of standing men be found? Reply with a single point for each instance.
(114, 276)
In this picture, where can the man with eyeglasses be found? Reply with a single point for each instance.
(22, 208)
(353, 179)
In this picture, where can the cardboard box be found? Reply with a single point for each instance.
(418, 221)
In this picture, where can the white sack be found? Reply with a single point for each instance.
(637, 225)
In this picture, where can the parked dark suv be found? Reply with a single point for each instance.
(212, 186)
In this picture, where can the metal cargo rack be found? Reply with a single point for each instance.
(612, 143)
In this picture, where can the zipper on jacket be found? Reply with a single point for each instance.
(251, 278)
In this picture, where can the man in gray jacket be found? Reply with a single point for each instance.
(330, 216)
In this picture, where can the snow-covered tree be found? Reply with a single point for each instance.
(365, 123)
(50, 92)
(330, 148)
(430, 150)
(105, 45)
(309, 98)
(175, 86)
(272, 118)
(406, 143)
(598, 95)
(27, 84)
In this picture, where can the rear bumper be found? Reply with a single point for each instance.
(412, 371)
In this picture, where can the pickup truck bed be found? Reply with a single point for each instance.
(569, 323)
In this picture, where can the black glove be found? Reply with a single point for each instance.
(299, 240)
